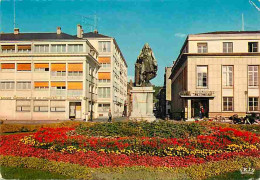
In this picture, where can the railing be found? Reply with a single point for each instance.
(74, 93)
(58, 92)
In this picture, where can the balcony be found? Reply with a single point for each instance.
(61, 92)
(74, 93)
(197, 94)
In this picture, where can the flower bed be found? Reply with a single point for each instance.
(65, 144)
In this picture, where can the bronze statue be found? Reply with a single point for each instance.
(145, 67)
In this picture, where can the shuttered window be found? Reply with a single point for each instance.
(58, 84)
(23, 106)
(41, 85)
(57, 106)
(104, 75)
(41, 67)
(40, 106)
(75, 67)
(24, 67)
(24, 48)
(7, 67)
(8, 48)
(75, 85)
(58, 67)
(104, 60)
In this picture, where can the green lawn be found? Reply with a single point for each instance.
(23, 173)
(237, 176)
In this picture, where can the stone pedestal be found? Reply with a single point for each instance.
(142, 104)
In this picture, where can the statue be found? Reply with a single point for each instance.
(145, 67)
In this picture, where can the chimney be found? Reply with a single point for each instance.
(58, 30)
(82, 32)
(79, 31)
(16, 30)
(96, 31)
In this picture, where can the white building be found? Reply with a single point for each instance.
(219, 71)
(112, 76)
(47, 76)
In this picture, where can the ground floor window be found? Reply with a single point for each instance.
(228, 104)
(253, 103)
(23, 106)
(57, 106)
(40, 106)
(103, 107)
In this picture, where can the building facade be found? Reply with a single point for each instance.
(112, 75)
(168, 98)
(218, 72)
(47, 76)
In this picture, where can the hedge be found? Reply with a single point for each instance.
(201, 171)
(13, 128)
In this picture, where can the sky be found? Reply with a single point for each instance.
(162, 24)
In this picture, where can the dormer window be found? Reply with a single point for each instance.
(8, 48)
(202, 47)
(24, 48)
(252, 46)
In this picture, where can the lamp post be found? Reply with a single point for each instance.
(91, 98)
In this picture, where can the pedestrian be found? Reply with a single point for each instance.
(201, 112)
(109, 116)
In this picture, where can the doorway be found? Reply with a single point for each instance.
(196, 104)
(75, 110)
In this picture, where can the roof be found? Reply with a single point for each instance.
(35, 36)
(94, 35)
(231, 32)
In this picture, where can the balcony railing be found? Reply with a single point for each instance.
(58, 92)
(74, 93)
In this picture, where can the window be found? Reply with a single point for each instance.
(8, 48)
(41, 67)
(58, 48)
(75, 69)
(24, 85)
(44, 48)
(104, 80)
(23, 106)
(202, 76)
(227, 103)
(73, 48)
(40, 106)
(41, 85)
(253, 76)
(227, 76)
(253, 103)
(7, 85)
(202, 47)
(58, 69)
(23, 67)
(57, 106)
(103, 107)
(7, 67)
(104, 92)
(24, 48)
(227, 47)
(104, 46)
(105, 65)
(252, 46)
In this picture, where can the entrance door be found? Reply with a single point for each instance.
(196, 104)
(78, 110)
(75, 110)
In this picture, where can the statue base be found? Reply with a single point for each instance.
(142, 104)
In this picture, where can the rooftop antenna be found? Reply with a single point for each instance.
(243, 24)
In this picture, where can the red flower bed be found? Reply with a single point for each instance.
(11, 145)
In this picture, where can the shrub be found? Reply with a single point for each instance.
(12, 128)
(155, 129)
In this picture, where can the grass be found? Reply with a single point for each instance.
(23, 173)
(237, 175)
